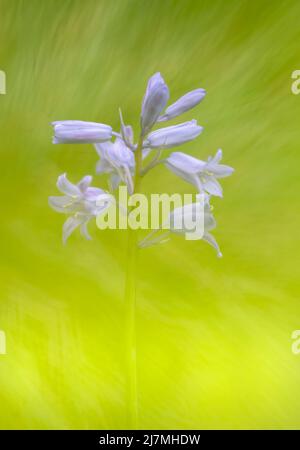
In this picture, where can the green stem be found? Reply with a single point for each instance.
(130, 305)
(138, 155)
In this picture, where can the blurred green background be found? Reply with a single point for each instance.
(214, 336)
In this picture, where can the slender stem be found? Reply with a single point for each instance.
(138, 155)
(130, 305)
(130, 323)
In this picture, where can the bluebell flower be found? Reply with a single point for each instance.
(154, 102)
(81, 201)
(202, 174)
(177, 221)
(117, 160)
(183, 104)
(173, 136)
(79, 132)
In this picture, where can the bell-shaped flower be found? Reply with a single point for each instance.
(178, 220)
(117, 160)
(154, 102)
(183, 104)
(81, 201)
(173, 136)
(184, 213)
(202, 174)
(80, 132)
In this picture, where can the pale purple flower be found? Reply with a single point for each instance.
(178, 215)
(183, 104)
(154, 102)
(177, 220)
(80, 132)
(173, 136)
(117, 160)
(202, 174)
(81, 201)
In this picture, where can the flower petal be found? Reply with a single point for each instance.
(71, 224)
(209, 221)
(185, 163)
(62, 204)
(211, 240)
(84, 231)
(183, 104)
(146, 152)
(212, 186)
(155, 100)
(128, 180)
(173, 136)
(220, 170)
(103, 166)
(85, 182)
(79, 132)
(115, 180)
(102, 148)
(66, 187)
(121, 155)
(92, 193)
(75, 124)
(218, 156)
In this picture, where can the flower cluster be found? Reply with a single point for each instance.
(119, 156)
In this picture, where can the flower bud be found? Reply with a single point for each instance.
(80, 132)
(183, 104)
(173, 136)
(155, 100)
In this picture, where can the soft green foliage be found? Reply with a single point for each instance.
(214, 336)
